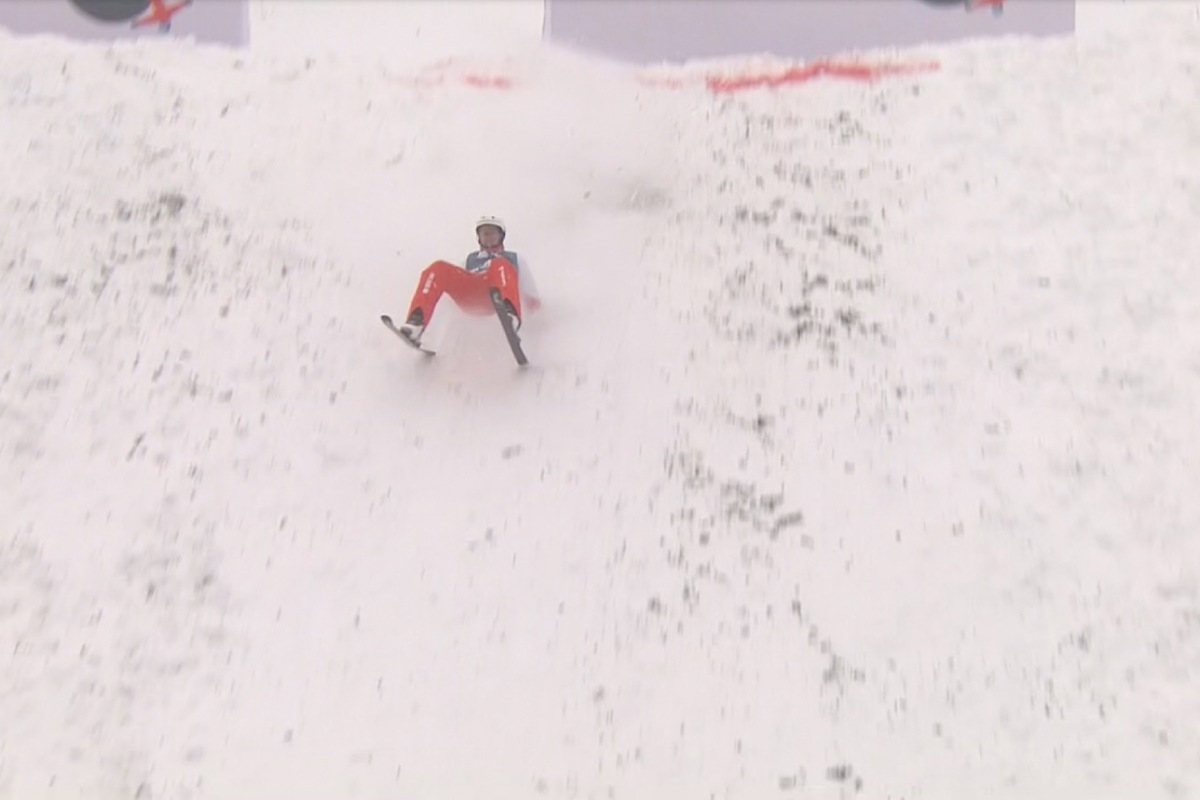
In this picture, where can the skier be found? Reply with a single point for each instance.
(490, 267)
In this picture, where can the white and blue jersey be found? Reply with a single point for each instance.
(478, 262)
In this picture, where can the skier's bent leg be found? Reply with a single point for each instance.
(430, 288)
(503, 275)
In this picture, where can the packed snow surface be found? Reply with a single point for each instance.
(857, 456)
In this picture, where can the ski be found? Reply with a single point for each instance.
(514, 341)
(404, 338)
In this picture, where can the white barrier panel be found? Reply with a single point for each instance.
(208, 21)
(673, 31)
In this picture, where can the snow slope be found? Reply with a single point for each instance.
(857, 457)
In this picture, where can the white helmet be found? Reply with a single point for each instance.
(496, 221)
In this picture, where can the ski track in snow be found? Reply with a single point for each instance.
(856, 457)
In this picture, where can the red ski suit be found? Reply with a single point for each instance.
(470, 290)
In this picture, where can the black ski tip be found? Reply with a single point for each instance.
(514, 340)
(400, 334)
